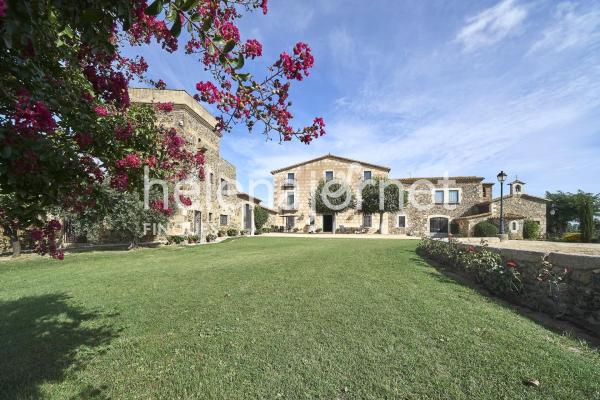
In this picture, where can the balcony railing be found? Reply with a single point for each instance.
(289, 183)
(289, 207)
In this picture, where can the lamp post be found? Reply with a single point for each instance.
(501, 178)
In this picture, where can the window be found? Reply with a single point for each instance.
(438, 225)
(439, 197)
(212, 178)
(209, 217)
(291, 176)
(223, 220)
(328, 175)
(514, 226)
(367, 220)
(401, 221)
(291, 199)
(223, 186)
(366, 175)
(453, 197)
(518, 188)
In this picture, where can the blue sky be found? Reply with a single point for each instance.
(432, 87)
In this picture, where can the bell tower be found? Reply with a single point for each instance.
(517, 187)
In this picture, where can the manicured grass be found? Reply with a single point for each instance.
(271, 318)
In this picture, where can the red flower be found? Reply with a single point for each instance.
(209, 92)
(123, 132)
(84, 140)
(511, 264)
(166, 107)
(3, 8)
(253, 48)
(101, 111)
(471, 249)
(130, 161)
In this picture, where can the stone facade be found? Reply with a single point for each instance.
(217, 203)
(300, 181)
(436, 206)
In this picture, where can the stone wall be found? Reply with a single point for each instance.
(576, 297)
(419, 211)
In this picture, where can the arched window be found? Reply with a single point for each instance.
(518, 188)
(514, 225)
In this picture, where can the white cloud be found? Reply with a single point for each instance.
(491, 25)
(572, 29)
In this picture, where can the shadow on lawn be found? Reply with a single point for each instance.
(42, 338)
(558, 326)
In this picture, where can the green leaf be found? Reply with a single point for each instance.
(218, 41)
(6, 152)
(176, 28)
(239, 62)
(228, 46)
(189, 4)
(207, 24)
(154, 8)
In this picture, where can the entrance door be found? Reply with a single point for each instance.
(197, 223)
(438, 226)
(247, 218)
(327, 223)
(289, 223)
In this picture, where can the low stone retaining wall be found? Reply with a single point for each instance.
(566, 286)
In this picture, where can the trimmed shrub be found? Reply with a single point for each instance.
(175, 239)
(261, 216)
(531, 230)
(266, 230)
(232, 232)
(485, 229)
(572, 237)
(211, 237)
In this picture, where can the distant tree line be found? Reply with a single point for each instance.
(574, 211)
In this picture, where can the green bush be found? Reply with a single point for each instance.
(211, 237)
(266, 230)
(485, 229)
(572, 237)
(193, 239)
(261, 216)
(175, 239)
(232, 232)
(482, 264)
(531, 230)
(221, 233)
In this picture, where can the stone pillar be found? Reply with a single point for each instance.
(252, 226)
(384, 224)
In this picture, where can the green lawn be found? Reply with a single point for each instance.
(271, 318)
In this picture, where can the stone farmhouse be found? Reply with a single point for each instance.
(218, 205)
(436, 206)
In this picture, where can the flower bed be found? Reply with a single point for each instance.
(562, 285)
(484, 266)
